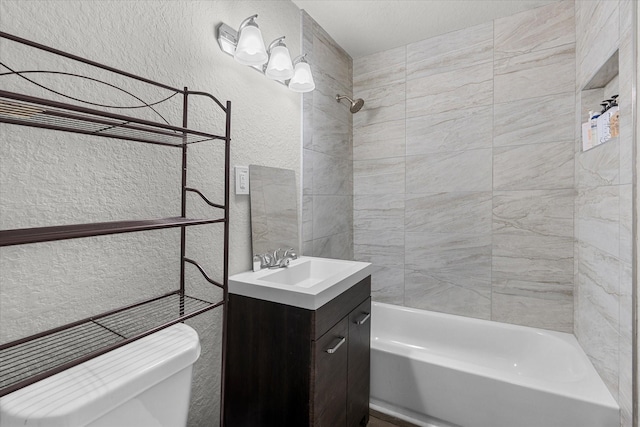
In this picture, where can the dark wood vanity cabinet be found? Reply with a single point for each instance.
(289, 366)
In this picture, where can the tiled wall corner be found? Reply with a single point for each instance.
(603, 206)
(327, 204)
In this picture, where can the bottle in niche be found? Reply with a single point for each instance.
(614, 124)
(609, 108)
(604, 133)
(586, 133)
(594, 129)
(614, 120)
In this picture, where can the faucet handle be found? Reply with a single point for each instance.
(284, 263)
(267, 260)
(291, 253)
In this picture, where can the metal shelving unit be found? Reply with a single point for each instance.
(30, 359)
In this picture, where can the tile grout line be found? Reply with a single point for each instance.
(493, 136)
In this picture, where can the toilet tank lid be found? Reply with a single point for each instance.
(87, 391)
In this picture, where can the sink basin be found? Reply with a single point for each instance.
(306, 273)
(308, 282)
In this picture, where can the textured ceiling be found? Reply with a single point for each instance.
(363, 27)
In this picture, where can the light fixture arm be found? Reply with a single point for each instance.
(300, 58)
(277, 42)
(250, 21)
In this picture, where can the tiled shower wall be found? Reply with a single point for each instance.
(463, 170)
(327, 199)
(603, 205)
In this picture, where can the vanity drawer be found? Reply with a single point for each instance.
(333, 311)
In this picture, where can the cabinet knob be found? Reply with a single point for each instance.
(337, 346)
(363, 319)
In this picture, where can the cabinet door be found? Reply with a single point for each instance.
(359, 361)
(330, 392)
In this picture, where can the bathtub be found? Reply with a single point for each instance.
(433, 369)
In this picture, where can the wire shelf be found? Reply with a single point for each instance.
(30, 111)
(31, 359)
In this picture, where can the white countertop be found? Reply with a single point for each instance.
(308, 282)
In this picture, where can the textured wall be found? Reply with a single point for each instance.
(53, 178)
(603, 205)
(463, 170)
(327, 201)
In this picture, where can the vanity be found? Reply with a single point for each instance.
(298, 341)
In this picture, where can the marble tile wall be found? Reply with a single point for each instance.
(464, 170)
(603, 206)
(327, 200)
(379, 173)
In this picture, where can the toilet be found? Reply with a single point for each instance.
(146, 383)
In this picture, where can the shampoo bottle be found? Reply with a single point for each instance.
(614, 119)
(594, 129)
(586, 133)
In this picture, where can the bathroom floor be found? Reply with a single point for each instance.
(377, 422)
(377, 419)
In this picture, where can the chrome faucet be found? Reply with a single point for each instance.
(291, 253)
(278, 259)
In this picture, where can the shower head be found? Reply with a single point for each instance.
(355, 105)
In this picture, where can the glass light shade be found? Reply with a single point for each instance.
(250, 48)
(280, 66)
(302, 80)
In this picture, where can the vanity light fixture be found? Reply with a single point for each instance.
(250, 45)
(247, 47)
(302, 80)
(279, 66)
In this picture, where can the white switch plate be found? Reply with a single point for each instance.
(242, 180)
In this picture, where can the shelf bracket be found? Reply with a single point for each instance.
(204, 273)
(207, 201)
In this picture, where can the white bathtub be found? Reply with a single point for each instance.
(435, 369)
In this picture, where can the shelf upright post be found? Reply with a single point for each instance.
(183, 212)
(225, 272)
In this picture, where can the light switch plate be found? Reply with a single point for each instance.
(242, 180)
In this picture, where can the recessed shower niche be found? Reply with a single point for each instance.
(599, 114)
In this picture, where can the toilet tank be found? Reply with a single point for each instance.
(146, 383)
